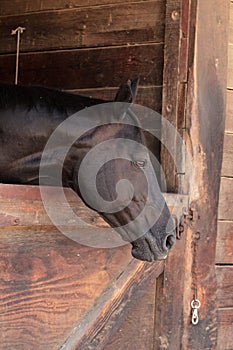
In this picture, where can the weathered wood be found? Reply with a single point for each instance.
(107, 316)
(206, 106)
(80, 69)
(25, 6)
(225, 286)
(224, 249)
(149, 96)
(138, 325)
(230, 67)
(169, 314)
(225, 211)
(225, 339)
(174, 95)
(230, 36)
(90, 27)
(22, 206)
(48, 283)
(229, 113)
(227, 165)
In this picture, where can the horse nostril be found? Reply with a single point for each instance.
(169, 242)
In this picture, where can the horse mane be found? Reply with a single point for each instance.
(29, 97)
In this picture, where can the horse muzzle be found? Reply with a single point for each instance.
(149, 248)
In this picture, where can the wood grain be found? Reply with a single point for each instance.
(90, 27)
(224, 248)
(80, 69)
(227, 165)
(22, 206)
(229, 112)
(48, 283)
(104, 320)
(24, 6)
(225, 211)
(230, 67)
(225, 286)
(149, 96)
(225, 339)
(206, 107)
(230, 33)
(140, 312)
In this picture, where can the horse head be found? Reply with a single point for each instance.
(126, 181)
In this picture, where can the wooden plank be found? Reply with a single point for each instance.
(48, 283)
(224, 249)
(176, 55)
(229, 112)
(169, 313)
(24, 6)
(80, 69)
(225, 286)
(230, 67)
(225, 211)
(90, 27)
(22, 206)
(149, 96)
(106, 317)
(138, 325)
(225, 339)
(230, 36)
(227, 164)
(206, 107)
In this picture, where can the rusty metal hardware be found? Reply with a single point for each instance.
(188, 216)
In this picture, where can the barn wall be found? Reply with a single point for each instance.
(224, 253)
(88, 46)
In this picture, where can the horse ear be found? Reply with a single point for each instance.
(128, 91)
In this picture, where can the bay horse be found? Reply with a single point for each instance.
(28, 117)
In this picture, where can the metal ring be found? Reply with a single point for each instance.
(195, 304)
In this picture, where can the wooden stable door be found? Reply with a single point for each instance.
(56, 294)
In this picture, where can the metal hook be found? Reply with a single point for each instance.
(195, 305)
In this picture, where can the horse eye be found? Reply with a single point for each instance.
(139, 163)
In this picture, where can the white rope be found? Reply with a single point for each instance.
(17, 31)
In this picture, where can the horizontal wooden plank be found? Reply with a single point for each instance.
(150, 96)
(224, 248)
(89, 27)
(21, 205)
(229, 112)
(24, 6)
(225, 329)
(227, 164)
(225, 211)
(48, 283)
(225, 286)
(80, 69)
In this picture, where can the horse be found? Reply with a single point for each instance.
(28, 117)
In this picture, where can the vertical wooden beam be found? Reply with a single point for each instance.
(206, 101)
(175, 85)
(192, 263)
(170, 287)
